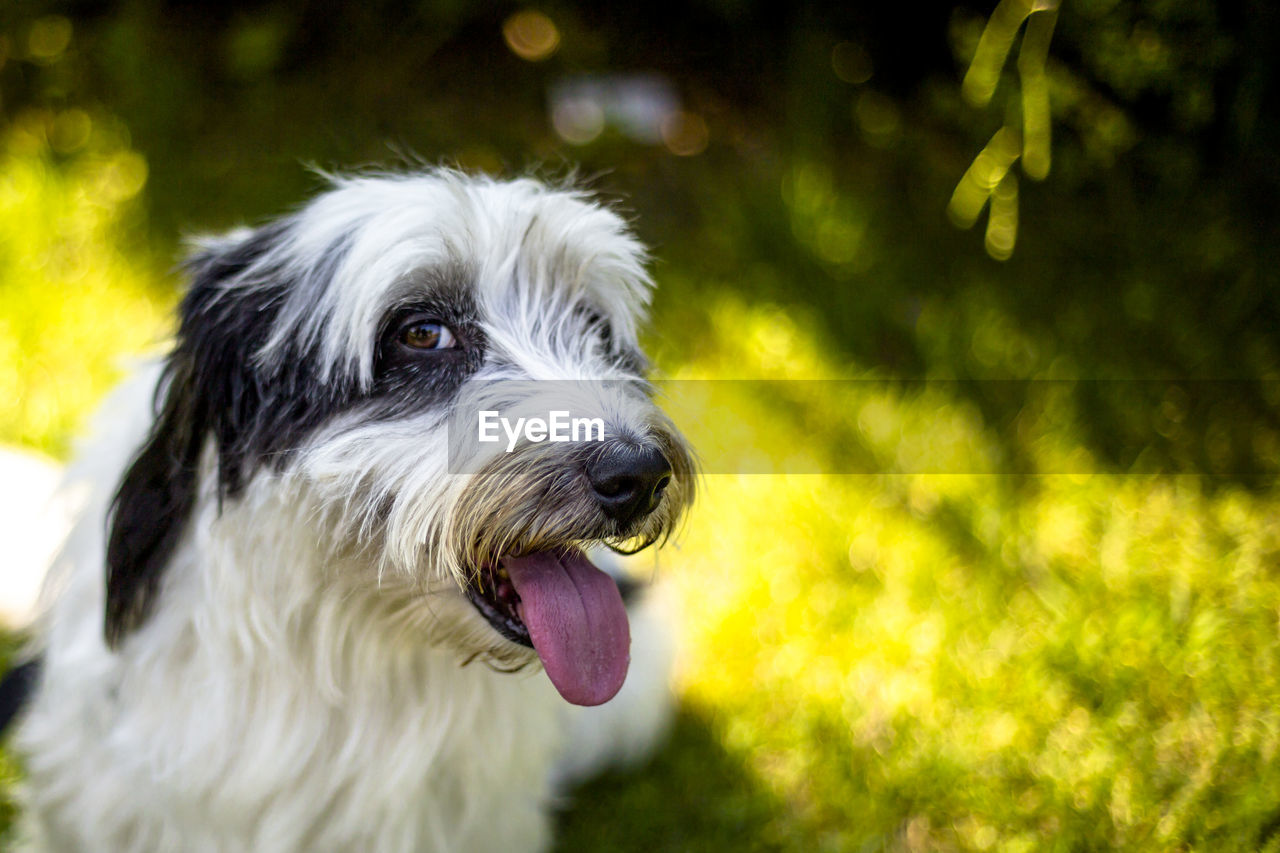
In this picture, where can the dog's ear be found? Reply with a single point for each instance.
(151, 506)
(208, 389)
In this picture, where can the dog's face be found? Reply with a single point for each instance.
(344, 354)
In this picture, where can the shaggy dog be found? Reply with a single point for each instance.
(307, 607)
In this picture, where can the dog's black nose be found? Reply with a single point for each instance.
(628, 481)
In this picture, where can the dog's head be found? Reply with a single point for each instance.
(347, 354)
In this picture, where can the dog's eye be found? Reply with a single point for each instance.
(427, 334)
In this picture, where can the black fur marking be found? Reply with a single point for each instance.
(151, 507)
(257, 414)
(16, 689)
(407, 380)
(212, 387)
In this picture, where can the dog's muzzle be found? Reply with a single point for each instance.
(538, 588)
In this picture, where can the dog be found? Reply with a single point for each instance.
(307, 606)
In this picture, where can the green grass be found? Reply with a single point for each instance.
(985, 661)
(695, 796)
(978, 661)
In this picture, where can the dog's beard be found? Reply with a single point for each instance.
(526, 532)
(501, 556)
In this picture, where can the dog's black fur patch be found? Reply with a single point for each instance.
(16, 689)
(407, 380)
(212, 387)
(256, 413)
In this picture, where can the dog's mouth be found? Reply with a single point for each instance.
(570, 612)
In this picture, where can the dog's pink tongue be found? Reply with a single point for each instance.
(577, 623)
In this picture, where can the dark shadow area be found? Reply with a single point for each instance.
(693, 796)
(9, 645)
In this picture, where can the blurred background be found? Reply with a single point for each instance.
(1048, 234)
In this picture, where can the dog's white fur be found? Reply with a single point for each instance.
(310, 676)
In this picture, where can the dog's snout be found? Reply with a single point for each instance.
(628, 481)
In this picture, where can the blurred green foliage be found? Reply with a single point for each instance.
(76, 286)
(996, 660)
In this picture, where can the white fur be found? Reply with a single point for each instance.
(34, 519)
(311, 677)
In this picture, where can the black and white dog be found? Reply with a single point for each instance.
(289, 618)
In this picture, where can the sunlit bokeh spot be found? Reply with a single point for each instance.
(851, 62)
(878, 118)
(29, 132)
(994, 45)
(1029, 138)
(685, 134)
(77, 291)
(828, 223)
(1034, 81)
(121, 177)
(578, 121)
(1150, 49)
(531, 35)
(256, 47)
(634, 104)
(70, 131)
(1002, 220)
(983, 176)
(48, 38)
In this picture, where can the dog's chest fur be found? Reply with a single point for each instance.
(377, 741)
(391, 747)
